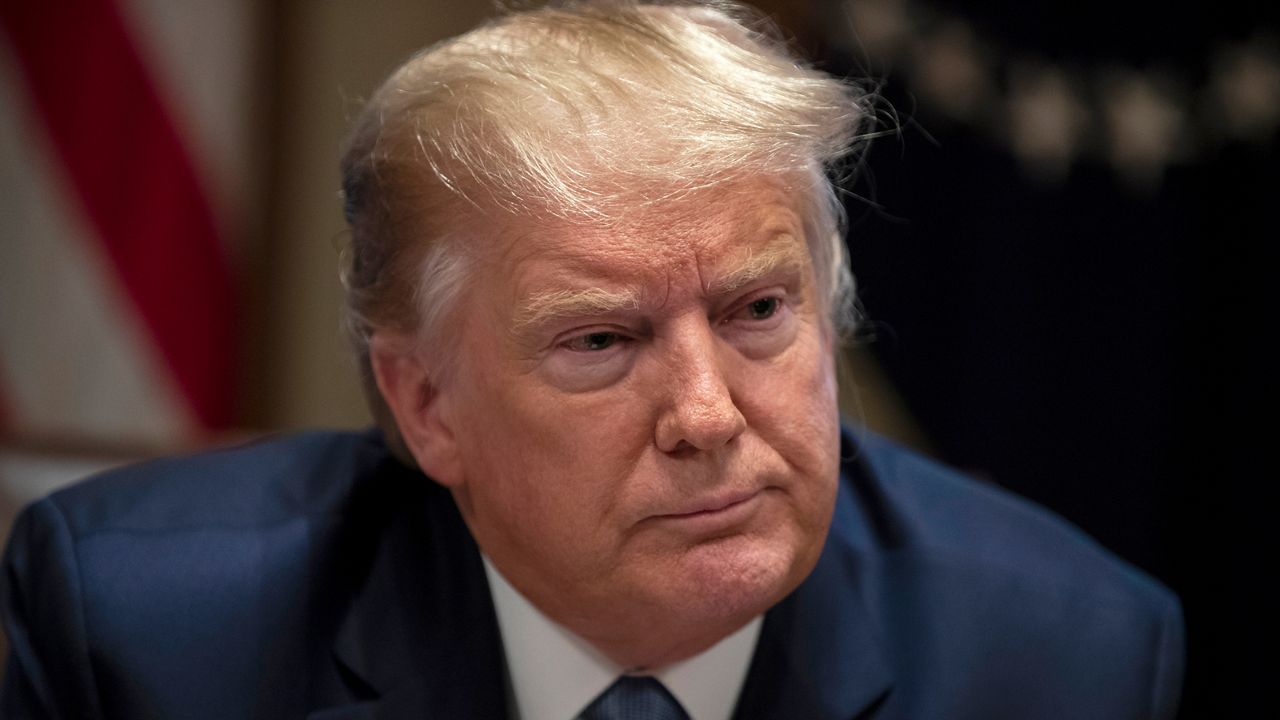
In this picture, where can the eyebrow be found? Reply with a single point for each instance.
(544, 307)
(782, 253)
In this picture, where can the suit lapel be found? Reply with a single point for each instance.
(420, 638)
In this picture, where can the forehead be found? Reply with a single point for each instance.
(721, 228)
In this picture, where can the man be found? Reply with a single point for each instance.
(596, 282)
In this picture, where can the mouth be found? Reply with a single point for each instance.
(719, 503)
(715, 512)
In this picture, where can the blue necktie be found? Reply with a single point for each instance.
(635, 698)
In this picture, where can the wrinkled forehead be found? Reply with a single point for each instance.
(662, 260)
(721, 225)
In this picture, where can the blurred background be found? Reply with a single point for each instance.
(1065, 244)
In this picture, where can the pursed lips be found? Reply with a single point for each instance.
(711, 505)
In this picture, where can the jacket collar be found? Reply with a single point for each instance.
(420, 637)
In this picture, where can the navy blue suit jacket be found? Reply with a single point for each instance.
(314, 576)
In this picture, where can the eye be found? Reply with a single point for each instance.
(758, 311)
(592, 342)
(761, 325)
(762, 309)
(590, 358)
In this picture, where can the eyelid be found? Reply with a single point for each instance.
(571, 343)
(562, 340)
(744, 301)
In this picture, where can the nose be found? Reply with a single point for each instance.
(700, 412)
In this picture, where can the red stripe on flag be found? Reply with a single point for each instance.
(138, 186)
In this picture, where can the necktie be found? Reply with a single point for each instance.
(634, 698)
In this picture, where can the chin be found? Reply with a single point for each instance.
(726, 582)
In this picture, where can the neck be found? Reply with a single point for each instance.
(653, 650)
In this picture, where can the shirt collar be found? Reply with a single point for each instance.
(555, 674)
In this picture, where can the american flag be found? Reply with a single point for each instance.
(124, 130)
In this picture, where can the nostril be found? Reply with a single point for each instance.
(708, 423)
(683, 449)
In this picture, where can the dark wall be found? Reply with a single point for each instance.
(1094, 338)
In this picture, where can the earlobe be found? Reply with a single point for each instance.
(418, 405)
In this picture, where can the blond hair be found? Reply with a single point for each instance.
(580, 111)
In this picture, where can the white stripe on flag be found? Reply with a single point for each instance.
(74, 359)
(202, 56)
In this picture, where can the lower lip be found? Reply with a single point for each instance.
(720, 518)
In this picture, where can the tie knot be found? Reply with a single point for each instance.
(635, 698)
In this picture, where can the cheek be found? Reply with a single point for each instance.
(554, 467)
(793, 403)
(602, 432)
(794, 411)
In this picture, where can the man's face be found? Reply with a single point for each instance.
(646, 416)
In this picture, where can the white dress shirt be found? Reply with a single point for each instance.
(555, 674)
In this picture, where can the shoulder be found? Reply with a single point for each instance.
(208, 530)
(225, 519)
(1004, 593)
(250, 485)
(936, 511)
(177, 573)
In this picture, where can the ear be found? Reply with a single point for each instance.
(416, 402)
